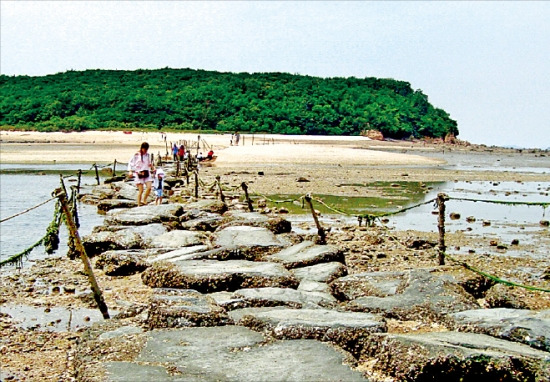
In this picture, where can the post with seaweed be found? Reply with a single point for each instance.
(73, 232)
(218, 182)
(320, 229)
(248, 201)
(441, 197)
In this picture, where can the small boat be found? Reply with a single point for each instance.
(127, 132)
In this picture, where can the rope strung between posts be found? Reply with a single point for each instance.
(27, 210)
(495, 278)
(298, 199)
(511, 203)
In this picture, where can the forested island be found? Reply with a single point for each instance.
(188, 99)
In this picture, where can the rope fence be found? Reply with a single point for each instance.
(216, 186)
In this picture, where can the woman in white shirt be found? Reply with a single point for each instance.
(141, 167)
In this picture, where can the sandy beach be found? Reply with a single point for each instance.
(273, 163)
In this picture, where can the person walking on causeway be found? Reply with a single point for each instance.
(141, 167)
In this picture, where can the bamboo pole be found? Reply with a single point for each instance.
(320, 229)
(73, 231)
(441, 197)
(248, 201)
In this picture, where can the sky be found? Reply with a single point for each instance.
(486, 63)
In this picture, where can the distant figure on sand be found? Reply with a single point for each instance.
(141, 167)
(158, 184)
(181, 152)
(175, 152)
(237, 138)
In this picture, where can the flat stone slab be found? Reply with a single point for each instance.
(425, 295)
(174, 308)
(144, 215)
(110, 204)
(208, 276)
(123, 262)
(225, 353)
(307, 253)
(177, 239)
(453, 356)
(347, 329)
(380, 284)
(324, 272)
(258, 297)
(519, 325)
(105, 238)
(246, 236)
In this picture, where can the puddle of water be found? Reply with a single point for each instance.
(53, 319)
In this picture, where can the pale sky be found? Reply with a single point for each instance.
(486, 63)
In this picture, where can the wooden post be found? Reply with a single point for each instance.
(198, 144)
(178, 167)
(114, 168)
(98, 296)
(441, 197)
(222, 197)
(243, 140)
(166, 145)
(96, 174)
(79, 181)
(320, 230)
(252, 139)
(248, 201)
(196, 184)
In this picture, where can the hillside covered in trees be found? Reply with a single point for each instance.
(186, 99)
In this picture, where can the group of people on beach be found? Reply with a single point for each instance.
(147, 177)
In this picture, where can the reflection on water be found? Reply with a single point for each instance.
(498, 220)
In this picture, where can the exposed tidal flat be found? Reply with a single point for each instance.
(371, 289)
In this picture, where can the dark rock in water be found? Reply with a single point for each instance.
(144, 215)
(451, 356)
(323, 272)
(122, 262)
(175, 308)
(110, 204)
(519, 325)
(307, 253)
(212, 276)
(380, 284)
(113, 179)
(501, 296)
(224, 353)
(346, 329)
(425, 295)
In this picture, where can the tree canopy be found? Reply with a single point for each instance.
(187, 99)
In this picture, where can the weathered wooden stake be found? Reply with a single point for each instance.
(177, 167)
(222, 197)
(96, 174)
(114, 168)
(248, 201)
(320, 230)
(73, 231)
(79, 181)
(196, 184)
(441, 197)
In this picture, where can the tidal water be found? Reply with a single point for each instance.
(25, 186)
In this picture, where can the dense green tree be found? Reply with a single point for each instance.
(185, 99)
